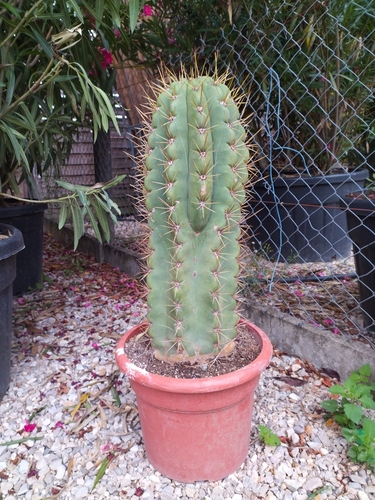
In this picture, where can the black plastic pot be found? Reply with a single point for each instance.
(28, 218)
(360, 216)
(9, 248)
(299, 218)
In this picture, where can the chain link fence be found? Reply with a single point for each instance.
(306, 71)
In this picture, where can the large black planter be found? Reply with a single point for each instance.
(9, 248)
(360, 216)
(28, 218)
(299, 218)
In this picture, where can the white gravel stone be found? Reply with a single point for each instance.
(313, 483)
(313, 455)
(23, 489)
(23, 467)
(81, 492)
(358, 479)
(362, 495)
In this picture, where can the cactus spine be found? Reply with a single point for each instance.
(195, 176)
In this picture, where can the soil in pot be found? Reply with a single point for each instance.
(246, 349)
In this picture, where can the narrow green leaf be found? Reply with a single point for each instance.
(50, 95)
(77, 10)
(63, 215)
(71, 187)
(115, 181)
(115, 396)
(109, 109)
(78, 226)
(43, 43)
(99, 10)
(82, 197)
(94, 224)
(18, 148)
(100, 472)
(102, 218)
(23, 440)
(133, 13)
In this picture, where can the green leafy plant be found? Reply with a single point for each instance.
(56, 76)
(195, 173)
(267, 436)
(311, 68)
(355, 395)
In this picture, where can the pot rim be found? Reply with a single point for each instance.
(12, 245)
(199, 385)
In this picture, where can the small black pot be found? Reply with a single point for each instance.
(360, 216)
(9, 248)
(28, 218)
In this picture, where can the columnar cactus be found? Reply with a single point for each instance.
(195, 173)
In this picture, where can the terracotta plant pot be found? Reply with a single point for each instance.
(196, 429)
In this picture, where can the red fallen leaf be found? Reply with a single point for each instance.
(139, 492)
(295, 382)
(284, 439)
(327, 382)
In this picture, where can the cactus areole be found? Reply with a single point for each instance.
(195, 175)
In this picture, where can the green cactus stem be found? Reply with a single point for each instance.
(195, 175)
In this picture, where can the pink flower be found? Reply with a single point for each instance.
(147, 10)
(328, 321)
(299, 293)
(59, 425)
(117, 32)
(29, 427)
(336, 331)
(87, 304)
(95, 345)
(107, 58)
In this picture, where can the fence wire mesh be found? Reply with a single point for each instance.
(306, 71)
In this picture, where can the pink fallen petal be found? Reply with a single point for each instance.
(29, 427)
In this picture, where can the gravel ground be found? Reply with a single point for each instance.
(73, 420)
